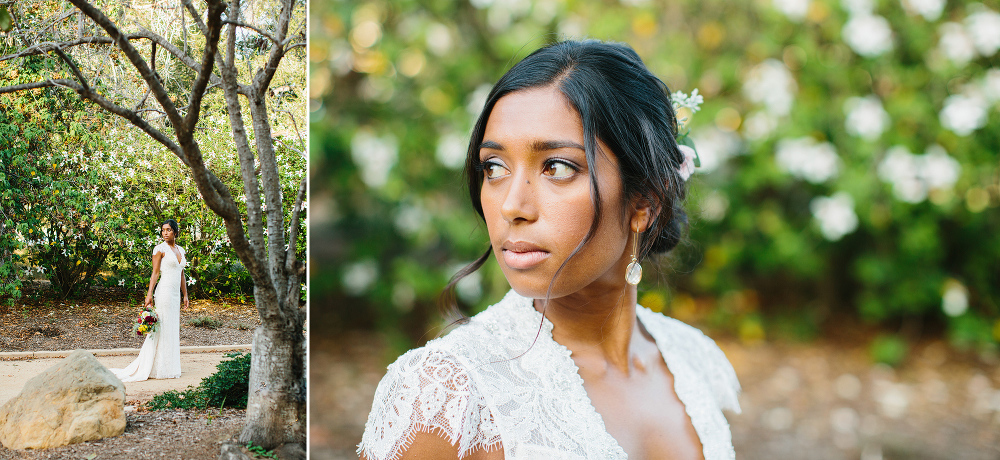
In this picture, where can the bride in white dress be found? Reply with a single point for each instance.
(160, 356)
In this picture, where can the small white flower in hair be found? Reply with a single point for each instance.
(687, 167)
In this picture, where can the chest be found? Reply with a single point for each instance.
(642, 412)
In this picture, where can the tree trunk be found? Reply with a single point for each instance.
(276, 405)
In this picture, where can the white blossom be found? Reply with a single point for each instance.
(714, 147)
(808, 159)
(794, 10)
(411, 219)
(451, 151)
(963, 114)
(990, 85)
(929, 9)
(865, 117)
(835, 215)
(984, 29)
(759, 125)
(868, 35)
(939, 170)
(375, 156)
(912, 176)
(771, 83)
(359, 276)
(955, 300)
(858, 7)
(955, 44)
(693, 102)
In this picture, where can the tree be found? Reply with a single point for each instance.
(105, 51)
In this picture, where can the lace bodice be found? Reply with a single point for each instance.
(466, 387)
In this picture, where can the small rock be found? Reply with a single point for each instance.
(291, 451)
(76, 400)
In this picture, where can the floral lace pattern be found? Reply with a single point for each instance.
(490, 384)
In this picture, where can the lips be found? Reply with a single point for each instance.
(522, 255)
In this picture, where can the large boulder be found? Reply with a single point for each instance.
(76, 400)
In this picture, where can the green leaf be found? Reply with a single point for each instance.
(6, 22)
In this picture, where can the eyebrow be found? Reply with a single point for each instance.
(538, 146)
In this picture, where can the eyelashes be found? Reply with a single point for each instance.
(555, 168)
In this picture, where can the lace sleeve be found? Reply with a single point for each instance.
(718, 371)
(159, 248)
(427, 390)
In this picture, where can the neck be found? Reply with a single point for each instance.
(598, 326)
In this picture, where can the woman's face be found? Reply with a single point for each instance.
(167, 233)
(536, 198)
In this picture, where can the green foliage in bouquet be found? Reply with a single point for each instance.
(848, 158)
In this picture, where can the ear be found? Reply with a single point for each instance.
(642, 216)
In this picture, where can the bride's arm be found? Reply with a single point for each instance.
(184, 292)
(152, 279)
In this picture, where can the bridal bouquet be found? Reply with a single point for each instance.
(146, 322)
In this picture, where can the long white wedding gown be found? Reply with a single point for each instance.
(160, 356)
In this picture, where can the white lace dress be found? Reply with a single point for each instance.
(466, 387)
(160, 356)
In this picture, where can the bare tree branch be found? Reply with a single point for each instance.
(140, 64)
(255, 29)
(106, 104)
(211, 48)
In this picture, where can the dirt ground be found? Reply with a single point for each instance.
(104, 322)
(822, 400)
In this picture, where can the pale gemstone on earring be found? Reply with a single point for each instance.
(633, 273)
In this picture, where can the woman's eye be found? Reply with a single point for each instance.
(559, 169)
(494, 170)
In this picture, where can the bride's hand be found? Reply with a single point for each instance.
(186, 303)
(148, 302)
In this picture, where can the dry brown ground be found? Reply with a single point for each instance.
(820, 400)
(103, 321)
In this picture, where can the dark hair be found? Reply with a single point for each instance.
(173, 226)
(619, 102)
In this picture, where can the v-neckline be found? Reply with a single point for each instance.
(176, 252)
(581, 389)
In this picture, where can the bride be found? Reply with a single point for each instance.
(160, 356)
(575, 167)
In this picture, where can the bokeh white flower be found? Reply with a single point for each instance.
(835, 215)
(858, 7)
(955, 300)
(984, 28)
(715, 146)
(913, 176)
(451, 151)
(962, 114)
(990, 85)
(759, 125)
(374, 155)
(794, 10)
(865, 117)
(868, 35)
(929, 9)
(805, 158)
(359, 276)
(955, 44)
(771, 83)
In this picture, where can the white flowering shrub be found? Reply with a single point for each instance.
(87, 197)
(848, 154)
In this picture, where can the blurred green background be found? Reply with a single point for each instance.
(849, 161)
(845, 241)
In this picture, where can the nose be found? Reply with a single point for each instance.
(520, 201)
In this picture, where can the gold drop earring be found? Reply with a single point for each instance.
(633, 273)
